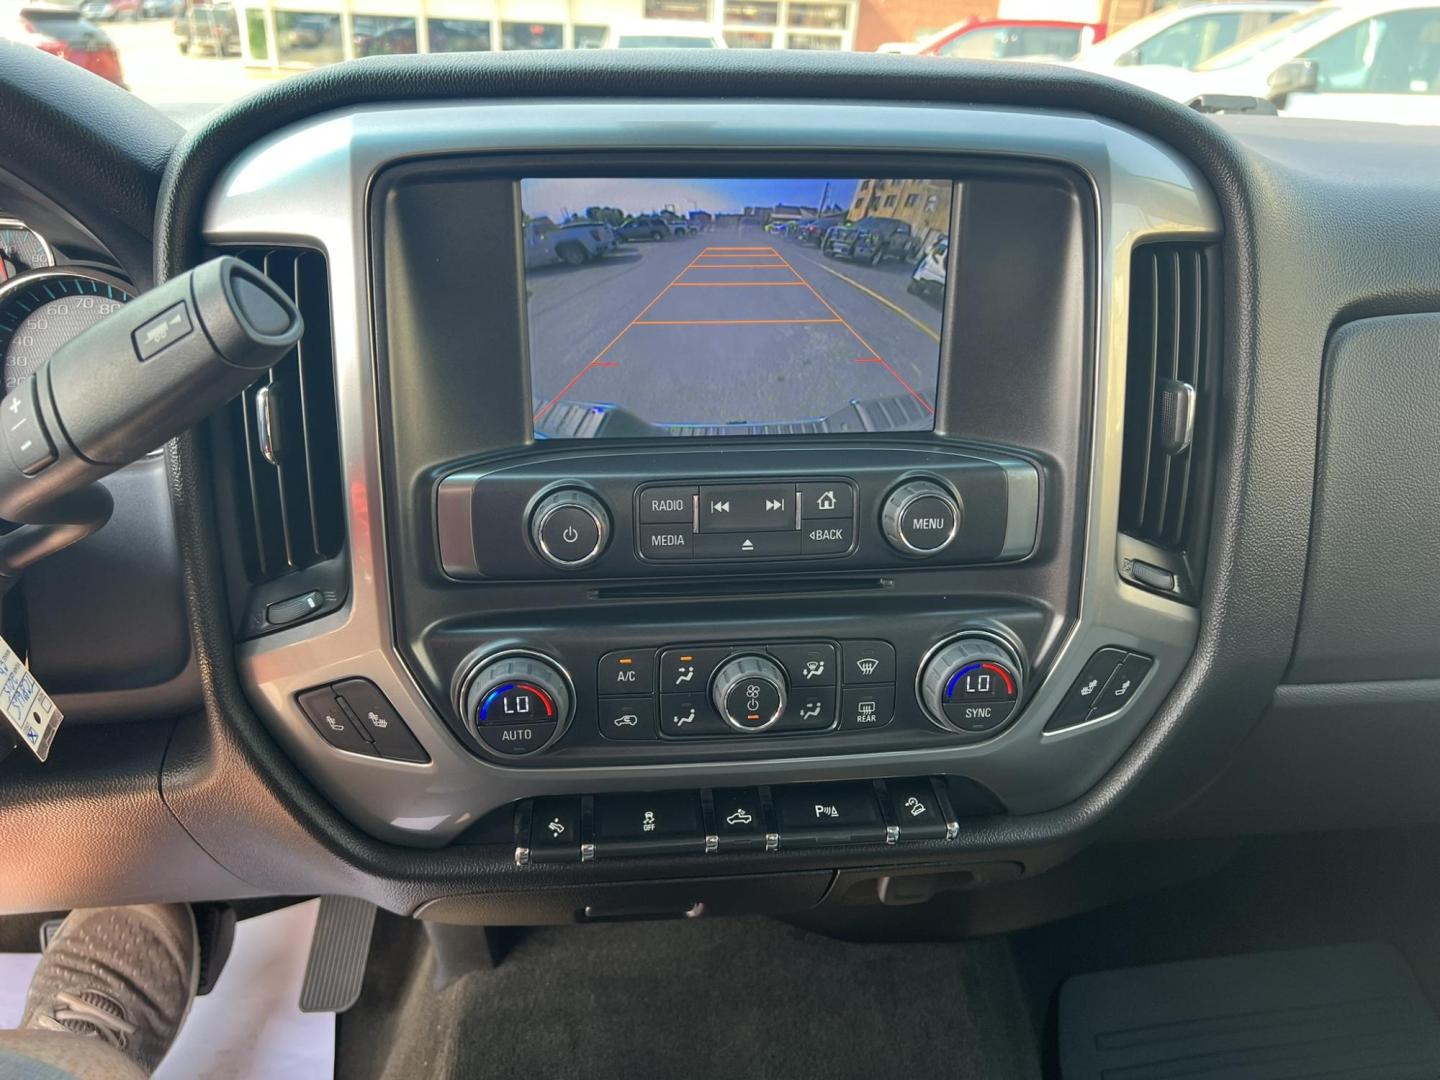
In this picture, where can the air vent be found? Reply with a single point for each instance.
(286, 442)
(1167, 392)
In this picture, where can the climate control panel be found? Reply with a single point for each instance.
(708, 696)
(733, 692)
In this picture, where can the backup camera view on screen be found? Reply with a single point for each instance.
(734, 307)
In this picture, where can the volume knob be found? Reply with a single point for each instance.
(570, 529)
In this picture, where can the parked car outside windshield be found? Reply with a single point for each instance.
(1185, 36)
(1358, 60)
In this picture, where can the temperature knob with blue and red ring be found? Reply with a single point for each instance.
(517, 703)
(972, 684)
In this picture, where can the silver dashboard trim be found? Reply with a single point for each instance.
(308, 184)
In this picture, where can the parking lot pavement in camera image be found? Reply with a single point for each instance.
(729, 326)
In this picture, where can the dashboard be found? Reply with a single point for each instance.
(556, 555)
(676, 501)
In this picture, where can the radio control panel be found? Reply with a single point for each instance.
(776, 519)
(646, 513)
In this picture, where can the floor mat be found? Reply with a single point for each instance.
(1350, 1011)
(709, 999)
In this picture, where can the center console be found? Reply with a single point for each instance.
(693, 456)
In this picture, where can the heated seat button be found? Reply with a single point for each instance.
(1085, 690)
(664, 821)
(626, 671)
(555, 830)
(811, 814)
(323, 710)
(739, 818)
(866, 708)
(916, 810)
(379, 721)
(1121, 686)
(627, 718)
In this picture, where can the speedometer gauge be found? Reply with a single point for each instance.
(44, 309)
(21, 249)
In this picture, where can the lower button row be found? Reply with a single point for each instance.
(746, 818)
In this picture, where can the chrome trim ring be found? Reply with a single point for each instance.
(570, 499)
(726, 680)
(907, 495)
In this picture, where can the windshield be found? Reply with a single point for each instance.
(189, 59)
(1278, 32)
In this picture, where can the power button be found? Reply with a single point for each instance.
(570, 528)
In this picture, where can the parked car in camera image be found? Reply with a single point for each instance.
(813, 230)
(573, 244)
(927, 280)
(645, 227)
(1360, 59)
(1186, 35)
(63, 32)
(679, 226)
(871, 239)
(161, 9)
(208, 29)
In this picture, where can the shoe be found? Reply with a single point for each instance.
(124, 975)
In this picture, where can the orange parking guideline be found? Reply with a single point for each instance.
(610, 345)
(749, 252)
(874, 356)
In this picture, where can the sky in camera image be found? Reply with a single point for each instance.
(559, 198)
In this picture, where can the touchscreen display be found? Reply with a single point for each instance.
(734, 307)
